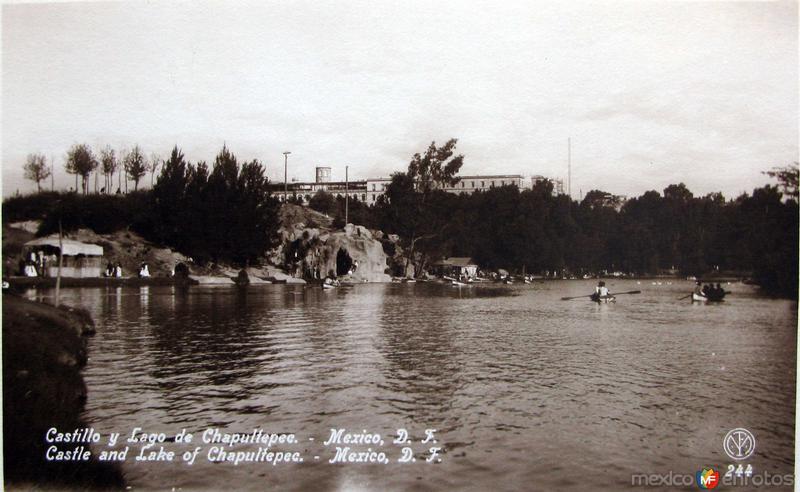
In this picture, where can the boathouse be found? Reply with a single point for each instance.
(79, 260)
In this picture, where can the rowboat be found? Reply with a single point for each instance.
(702, 298)
(602, 299)
(330, 284)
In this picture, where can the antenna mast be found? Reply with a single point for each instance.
(569, 167)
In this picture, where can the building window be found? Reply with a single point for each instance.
(373, 186)
(483, 184)
(472, 184)
(462, 184)
(363, 197)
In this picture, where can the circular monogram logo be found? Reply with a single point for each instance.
(739, 444)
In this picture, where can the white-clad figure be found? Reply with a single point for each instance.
(144, 271)
(118, 270)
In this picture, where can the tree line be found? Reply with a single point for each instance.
(225, 212)
(538, 231)
(82, 162)
(222, 212)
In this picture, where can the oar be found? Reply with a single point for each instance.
(685, 297)
(629, 292)
(576, 297)
(609, 295)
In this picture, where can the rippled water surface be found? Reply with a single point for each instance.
(526, 391)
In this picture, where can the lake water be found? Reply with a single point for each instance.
(525, 391)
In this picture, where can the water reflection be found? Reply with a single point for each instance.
(523, 387)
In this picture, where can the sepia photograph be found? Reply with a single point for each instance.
(399, 246)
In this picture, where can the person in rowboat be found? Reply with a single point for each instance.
(601, 290)
(698, 289)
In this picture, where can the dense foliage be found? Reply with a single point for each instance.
(537, 231)
(225, 213)
(222, 214)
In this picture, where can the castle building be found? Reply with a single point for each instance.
(368, 190)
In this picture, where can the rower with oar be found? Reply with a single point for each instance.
(601, 294)
(601, 290)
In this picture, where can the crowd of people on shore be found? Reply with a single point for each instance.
(116, 270)
(35, 265)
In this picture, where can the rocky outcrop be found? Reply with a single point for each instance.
(351, 254)
(44, 350)
(311, 249)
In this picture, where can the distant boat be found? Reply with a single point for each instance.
(330, 284)
(708, 298)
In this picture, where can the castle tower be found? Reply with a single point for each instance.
(323, 174)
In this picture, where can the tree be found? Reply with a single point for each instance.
(36, 169)
(677, 193)
(81, 162)
(599, 198)
(135, 165)
(225, 215)
(406, 206)
(436, 168)
(324, 202)
(788, 178)
(152, 165)
(108, 164)
(169, 194)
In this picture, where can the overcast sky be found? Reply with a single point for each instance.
(651, 93)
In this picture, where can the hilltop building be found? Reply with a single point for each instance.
(368, 190)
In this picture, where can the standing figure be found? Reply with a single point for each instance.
(30, 269)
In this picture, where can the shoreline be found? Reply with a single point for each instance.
(44, 353)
